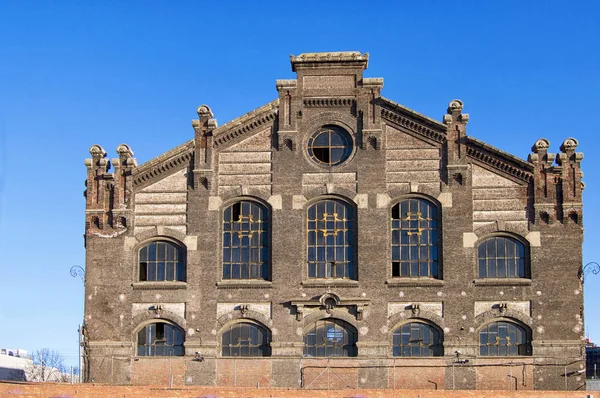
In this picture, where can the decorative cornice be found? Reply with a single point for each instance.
(425, 120)
(499, 160)
(413, 125)
(411, 120)
(179, 156)
(328, 102)
(352, 57)
(248, 122)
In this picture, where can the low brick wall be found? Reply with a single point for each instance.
(52, 390)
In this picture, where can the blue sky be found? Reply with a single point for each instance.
(75, 73)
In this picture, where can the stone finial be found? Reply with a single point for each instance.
(569, 145)
(455, 105)
(124, 151)
(540, 151)
(204, 111)
(454, 113)
(540, 146)
(97, 151)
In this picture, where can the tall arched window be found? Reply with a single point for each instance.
(331, 240)
(502, 257)
(160, 339)
(417, 339)
(246, 241)
(162, 261)
(415, 239)
(330, 338)
(503, 338)
(245, 340)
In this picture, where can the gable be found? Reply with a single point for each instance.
(162, 203)
(497, 198)
(409, 159)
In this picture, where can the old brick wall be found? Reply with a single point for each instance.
(478, 191)
(93, 391)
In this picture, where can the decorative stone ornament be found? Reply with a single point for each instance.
(158, 310)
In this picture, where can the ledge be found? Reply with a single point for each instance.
(502, 282)
(159, 285)
(329, 283)
(244, 284)
(414, 282)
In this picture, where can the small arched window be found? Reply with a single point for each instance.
(330, 338)
(245, 241)
(160, 339)
(162, 261)
(503, 338)
(331, 240)
(245, 340)
(415, 239)
(502, 257)
(417, 339)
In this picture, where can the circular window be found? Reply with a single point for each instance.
(330, 145)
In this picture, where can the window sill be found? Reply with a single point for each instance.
(244, 284)
(159, 285)
(414, 282)
(502, 282)
(329, 283)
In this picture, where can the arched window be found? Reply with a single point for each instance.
(502, 257)
(504, 339)
(245, 340)
(245, 241)
(160, 339)
(331, 240)
(415, 239)
(162, 261)
(330, 338)
(417, 339)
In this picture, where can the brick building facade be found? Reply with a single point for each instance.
(335, 238)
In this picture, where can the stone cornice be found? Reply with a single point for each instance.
(499, 160)
(243, 124)
(174, 159)
(328, 102)
(344, 57)
(412, 120)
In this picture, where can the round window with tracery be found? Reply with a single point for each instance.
(330, 146)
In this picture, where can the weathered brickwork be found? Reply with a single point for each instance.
(137, 306)
(161, 391)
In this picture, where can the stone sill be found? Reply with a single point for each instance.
(414, 282)
(244, 284)
(330, 283)
(503, 282)
(159, 285)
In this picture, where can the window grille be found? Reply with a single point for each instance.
(162, 261)
(330, 240)
(245, 340)
(330, 338)
(502, 257)
(160, 340)
(330, 145)
(245, 241)
(504, 339)
(415, 239)
(417, 339)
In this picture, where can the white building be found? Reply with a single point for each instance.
(13, 363)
